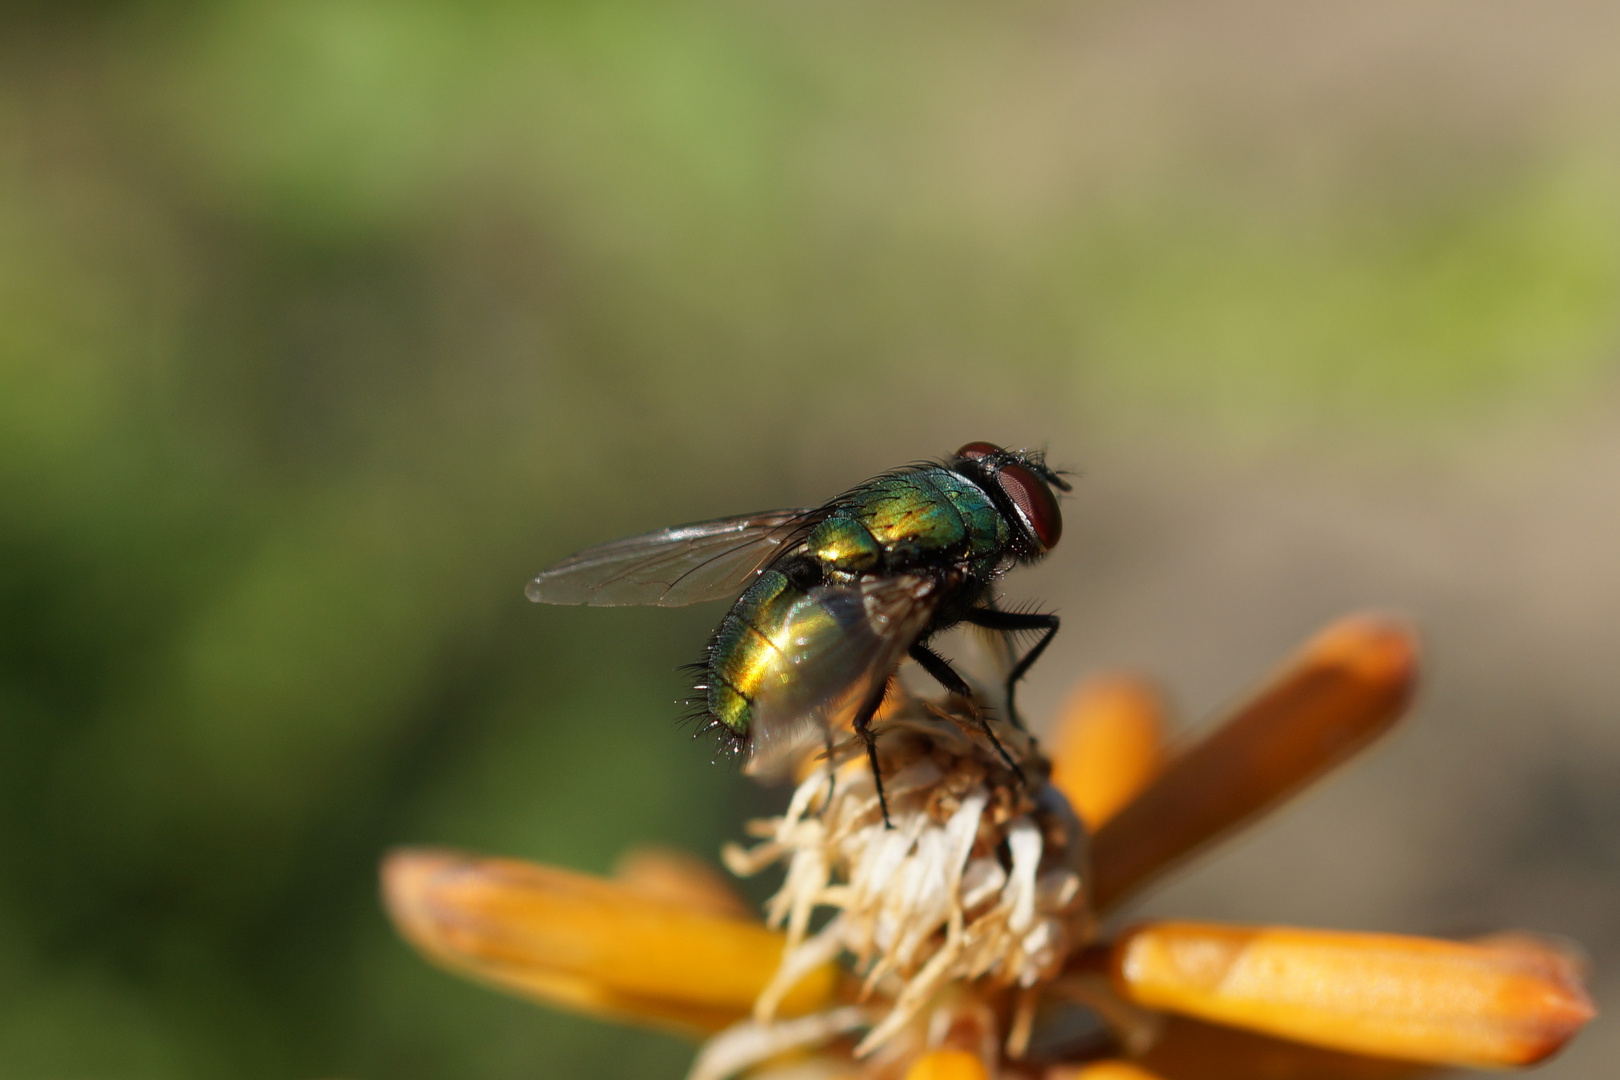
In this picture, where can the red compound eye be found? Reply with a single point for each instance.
(1035, 501)
(973, 451)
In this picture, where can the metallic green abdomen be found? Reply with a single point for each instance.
(744, 657)
(772, 629)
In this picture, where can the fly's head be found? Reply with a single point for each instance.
(1022, 485)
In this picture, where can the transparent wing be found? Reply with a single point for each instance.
(840, 645)
(709, 560)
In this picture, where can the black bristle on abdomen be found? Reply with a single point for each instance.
(699, 718)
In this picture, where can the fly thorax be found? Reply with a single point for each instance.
(844, 547)
(985, 529)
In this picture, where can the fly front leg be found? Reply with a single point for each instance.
(1012, 622)
(940, 668)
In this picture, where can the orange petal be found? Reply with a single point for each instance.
(1101, 1070)
(1191, 1050)
(585, 943)
(1345, 687)
(1108, 744)
(675, 877)
(1416, 999)
(947, 1065)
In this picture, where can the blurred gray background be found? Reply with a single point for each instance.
(326, 323)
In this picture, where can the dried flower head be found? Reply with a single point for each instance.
(960, 943)
(977, 879)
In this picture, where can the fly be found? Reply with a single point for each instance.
(827, 601)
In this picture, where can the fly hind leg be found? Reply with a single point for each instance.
(1012, 622)
(940, 668)
(862, 724)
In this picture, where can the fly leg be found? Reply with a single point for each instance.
(940, 668)
(862, 724)
(832, 778)
(1010, 622)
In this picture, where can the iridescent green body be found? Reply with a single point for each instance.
(929, 519)
(834, 598)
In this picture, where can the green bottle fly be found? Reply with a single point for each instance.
(834, 598)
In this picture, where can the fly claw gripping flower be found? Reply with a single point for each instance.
(963, 944)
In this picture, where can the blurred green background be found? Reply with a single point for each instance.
(326, 323)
